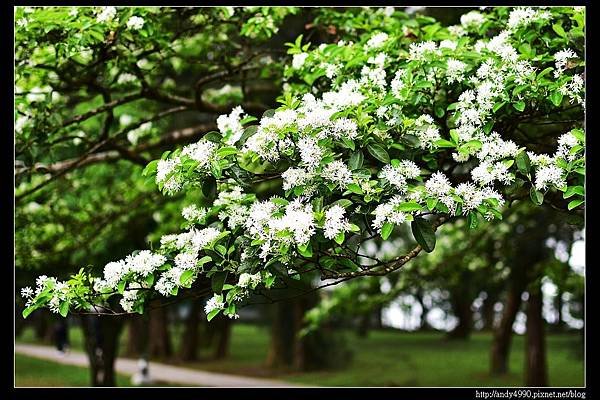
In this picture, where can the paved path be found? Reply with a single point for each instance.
(158, 371)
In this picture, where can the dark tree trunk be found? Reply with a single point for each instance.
(487, 311)
(364, 324)
(160, 338)
(282, 336)
(223, 325)
(503, 334)
(559, 306)
(536, 369)
(378, 323)
(135, 334)
(188, 351)
(462, 309)
(101, 334)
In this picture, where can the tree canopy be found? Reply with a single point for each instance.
(391, 127)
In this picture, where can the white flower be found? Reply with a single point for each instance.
(395, 177)
(337, 172)
(186, 261)
(473, 19)
(310, 152)
(448, 44)
(561, 57)
(457, 30)
(192, 213)
(27, 292)
(522, 17)
(144, 262)
(203, 237)
(438, 185)
(397, 83)
(386, 212)
(549, 175)
(335, 222)
(298, 60)
(455, 70)
(230, 126)
(202, 151)
(388, 11)
(135, 23)
(293, 177)
(106, 14)
(21, 23)
(419, 51)
(165, 167)
(126, 77)
(377, 40)
(247, 279)
(214, 303)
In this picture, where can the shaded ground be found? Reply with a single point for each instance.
(392, 358)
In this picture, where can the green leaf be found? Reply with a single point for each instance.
(356, 160)
(574, 204)
(214, 137)
(519, 105)
(29, 310)
(379, 153)
(556, 98)
(498, 106)
(63, 308)
(544, 73)
(215, 169)
(344, 202)
(439, 111)
(204, 260)
(444, 143)
(121, 286)
(431, 203)
(573, 190)
(339, 238)
(149, 279)
(536, 196)
(424, 234)
(409, 206)
(472, 220)
(249, 131)
(354, 188)
(226, 151)
(523, 163)
(213, 314)
(217, 281)
(150, 168)
(559, 30)
(386, 230)
(305, 250)
(185, 277)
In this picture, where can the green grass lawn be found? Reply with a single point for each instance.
(392, 358)
(33, 372)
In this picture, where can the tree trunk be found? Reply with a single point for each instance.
(160, 339)
(462, 309)
(101, 334)
(559, 305)
(487, 311)
(363, 326)
(188, 351)
(223, 325)
(503, 334)
(282, 336)
(536, 369)
(135, 333)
